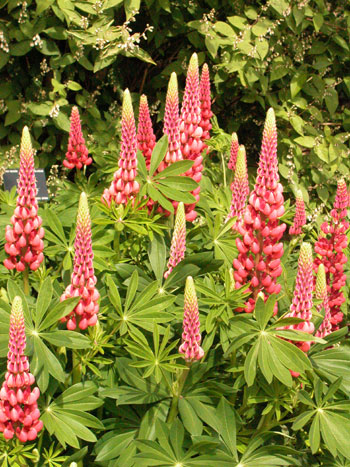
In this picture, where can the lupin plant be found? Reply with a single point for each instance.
(330, 248)
(77, 154)
(172, 123)
(124, 186)
(233, 152)
(83, 278)
(19, 413)
(178, 241)
(239, 187)
(322, 294)
(300, 215)
(205, 100)
(191, 336)
(24, 238)
(191, 132)
(260, 249)
(145, 136)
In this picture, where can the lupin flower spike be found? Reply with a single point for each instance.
(172, 122)
(83, 279)
(206, 113)
(233, 152)
(178, 241)
(239, 187)
(300, 215)
(330, 247)
(145, 136)
(191, 337)
(24, 238)
(191, 131)
(19, 413)
(124, 186)
(77, 154)
(302, 298)
(322, 294)
(260, 249)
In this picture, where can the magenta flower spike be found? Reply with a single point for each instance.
(178, 241)
(124, 186)
(233, 152)
(300, 215)
(145, 136)
(77, 154)
(83, 278)
(322, 294)
(206, 113)
(260, 249)
(19, 413)
(191, 132)
(239, 187)
(330, 248)
(172, 122)
(24, 238)
(191, 337)
(302, 297)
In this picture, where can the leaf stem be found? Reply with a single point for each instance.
(116, 244)
(76, 368)
(177, 389)
(26, 281)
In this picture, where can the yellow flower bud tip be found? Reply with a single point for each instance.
(241, 164)
(17, 310)
(193, 65)
(299, 195)
(83, 217)
(321, 284)
(26, 144)
(172, 86)
(270, 122)
(305, 257)
(190, 291)
(234, 137)
(127, 112)
(143, 100)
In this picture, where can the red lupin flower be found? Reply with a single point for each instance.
(77, 154)
(145, 136)
(233, 152)
(206, 113)
(124, 186)
(300, 215)
(260, 249)
(191, 337)
(24, 238)
(83, 278)
(19, 413)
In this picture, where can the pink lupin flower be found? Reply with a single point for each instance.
(83, 279)
(124, 186)
(260, 249)
(178, 241)
(191, 131)
(172, 122)
(19, 413)
(77, 154)
(233, 152)
(145, 136)
(330, 247)
(206, 113)
(239, 187)
(191, 337)
(302, 298)
(24, 238)
(322, 294)
(300, 215)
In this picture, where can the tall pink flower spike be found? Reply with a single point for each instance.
(322, 294)
(240, 188)
(77, 154)
(145, 136)
(191, 131)
(330, 247)
(83, 280)
(260, 249)
(124, 186)
(178, 241)
(19, 413)
(191, 337)
(206, 113)
(24, 238)
(302, 298)
(233, 152)
(300, 215)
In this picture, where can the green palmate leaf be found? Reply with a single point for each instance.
(227, 425)
(174, 194)
(141, 165)
(180, 183)
(113, 446)
(250, 364)
(190, 419)
(132, 288)
(177, 168)
(46, 361)
(55, 225)
(70, 339)
(44, 299)
(58, 311)
(264, 311)
(157, 196)
(157, 256)
(158, 153)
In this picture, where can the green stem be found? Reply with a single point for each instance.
(26, 281)
(178, 386)
(223, 168)
(265, 422)
(116, 244)
(76, 373)
(39, 448)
